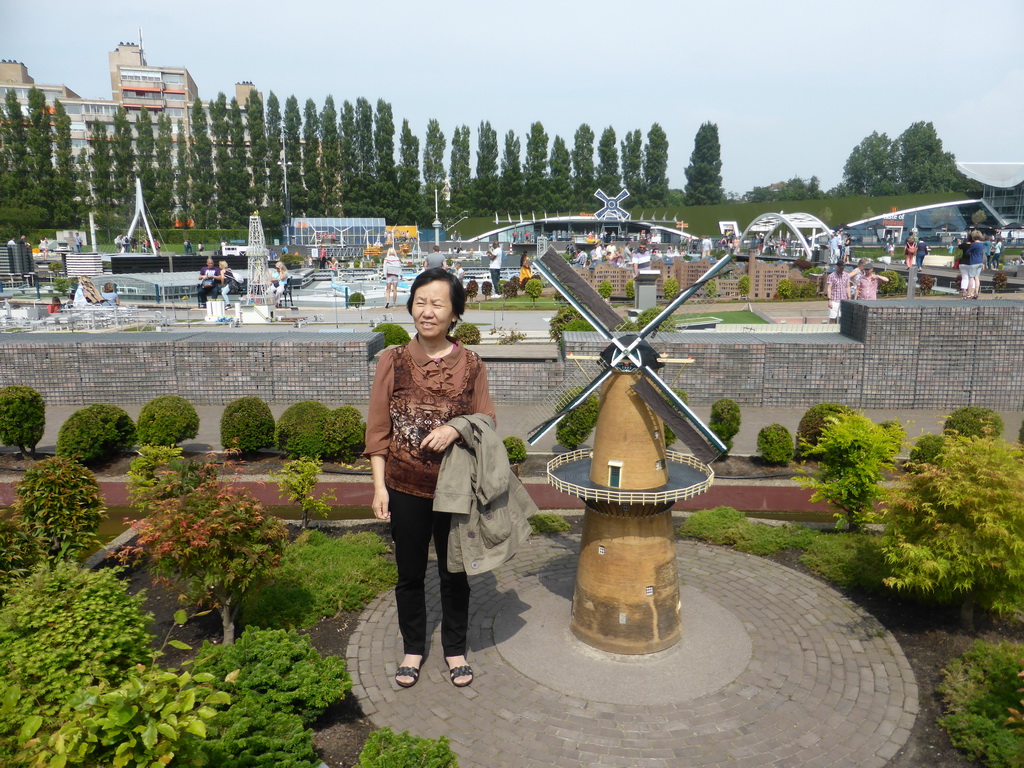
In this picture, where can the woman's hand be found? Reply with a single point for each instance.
(380, 504)
(439, 439)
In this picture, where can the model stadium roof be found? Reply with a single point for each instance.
(1001, 175)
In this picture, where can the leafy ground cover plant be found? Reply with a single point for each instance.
(387, 749)
(253, 735)
(59, 503)
(22, 418)
(545, 522)
(726, 526)
(848, 560)
(318, 576)
(979, 690)
(167, 420)
(20, 550)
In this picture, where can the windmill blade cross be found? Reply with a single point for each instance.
(651, 397)
(578, 293)
(587, 391)
(682, 297)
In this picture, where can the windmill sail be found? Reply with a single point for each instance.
(564, 278)
(691, 437)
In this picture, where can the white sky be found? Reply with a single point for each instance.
(793, 85)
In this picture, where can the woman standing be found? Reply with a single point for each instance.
(974, 257)
(392, 273)
(417, 389)
(910, 251)
(525, 273)
(279, 278)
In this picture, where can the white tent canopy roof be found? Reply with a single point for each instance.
(1001, 175)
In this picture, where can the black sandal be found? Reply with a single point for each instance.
(412, 672)
(464, 671)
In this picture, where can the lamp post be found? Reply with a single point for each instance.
(437, 221)
(287, 199)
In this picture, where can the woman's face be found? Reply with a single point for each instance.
(432, 310)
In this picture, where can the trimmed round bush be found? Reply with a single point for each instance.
(974, 421)
(775, 444)
(251, 734)
(247, 425)
(897, 285)
(356, 299)
(302, 430)
(725, 420)
(814, 421)
(630, 290)
(576, 426)
(605, 289)
(22, 418)
(467, 334)
(167, 420)
(394, 334)
(927, 449)
(95, 433)
(515, 448)
(344, 434)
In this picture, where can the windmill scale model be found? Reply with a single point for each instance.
(626, 596)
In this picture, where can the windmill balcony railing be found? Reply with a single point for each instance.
(620, 496)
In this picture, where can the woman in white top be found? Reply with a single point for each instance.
(392, 272)
(280, 281)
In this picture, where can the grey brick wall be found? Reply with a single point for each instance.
(889, 353)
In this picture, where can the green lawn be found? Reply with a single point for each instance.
(736, 317)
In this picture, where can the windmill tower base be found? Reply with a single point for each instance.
(627, 585)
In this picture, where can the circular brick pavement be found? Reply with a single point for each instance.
(775, 669)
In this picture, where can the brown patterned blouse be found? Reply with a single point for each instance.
(413, 394)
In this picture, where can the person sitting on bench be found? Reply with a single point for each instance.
(209, 282)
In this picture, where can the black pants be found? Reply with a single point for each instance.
(413, 524)
(495, 279)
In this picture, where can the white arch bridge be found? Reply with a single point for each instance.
(797, 223)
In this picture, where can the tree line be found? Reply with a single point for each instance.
(343, 161)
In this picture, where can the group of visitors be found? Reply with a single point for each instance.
(859, 283)
(219, 282)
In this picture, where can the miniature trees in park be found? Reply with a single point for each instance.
(472, 289)
(853, 454)
(671, 288)
(725, 420)
(297, 480)
(487, 289)
(214, 543)
(22, 418)
(954, 528)
(605, 289)
(533, 288)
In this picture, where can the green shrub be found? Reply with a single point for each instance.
(344, 434)
(20, 550)
(319, 576)
(725, 420)
(59, 628)
(576, 426)
(671, 288)
(897, 285)
(927, 449)
(744, 285)
(605, 289)
(775, 444)
(786, 288)
(897, 431)
(564, 316)
(515, 448)
(726, 526)
(59, 503)
(386, 749)
(545, 522)
(807, 290)
(96, 433)
(356, 299)
(974, 421)
(246, 425)
(978, 689)
(297, 480)
(711, 289)
(467, 334)
(280, 670)
(394, 334)
(533, 288)
(167, 420)
(22, 418)
(301, 430)
(153, 717)
(814, 420)
(849, 560)
(630, 290)
(644, 319)
(252, 735)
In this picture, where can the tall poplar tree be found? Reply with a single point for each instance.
(330, 157)
(535, 186)
(410, 203)
(275, 172)
(293, 153)
(145, 155)
(459, 171)
(485, 185)
(608, 179)
(100, 168)
(17, 176)
(386, 175)
(704, 173)
(258, 158)
(183, 179)
(656, 166)
(511, 175)
(349, 161)
(66, 189)
(40, 152)
(123, 160)
(583, 178)
(311, 171)
(221, 160)
(162, 196)
(362, 193)
(561, 196)
(240, 185)
(632, 166)
(202, 178)
(433, 165)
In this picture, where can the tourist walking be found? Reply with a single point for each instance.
(392, 273)
(417, 389)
